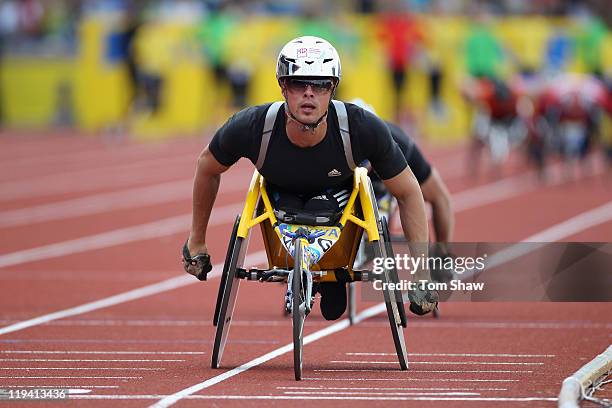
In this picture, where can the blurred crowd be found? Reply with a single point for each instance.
(517, 79)
(25, 24)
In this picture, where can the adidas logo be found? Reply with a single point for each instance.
(334, 173)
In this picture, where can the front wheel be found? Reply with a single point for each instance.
(227, 296)
(298, 310)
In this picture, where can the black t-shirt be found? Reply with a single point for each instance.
(311, 169)
(417, 162)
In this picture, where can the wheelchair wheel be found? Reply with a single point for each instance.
(225, 270)
(393, 313)
(298, 311)
(393, 271)
(228, 298)
(391, 301)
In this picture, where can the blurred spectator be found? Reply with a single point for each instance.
(400, 35)
(8, 27)
(121, 50)
(433, 56)
(558, 51)
(590, 45)
(365, 6)
(483, 51)
(152, 53)
(31, 13)
(215, 32)
(240, 56)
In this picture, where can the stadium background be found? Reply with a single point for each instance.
(96, 187)
(64, 62)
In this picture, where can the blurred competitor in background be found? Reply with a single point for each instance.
(496, 125)
(432, 186)
(573, 106)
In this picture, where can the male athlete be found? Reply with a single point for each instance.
(432, 186)
(307, 159)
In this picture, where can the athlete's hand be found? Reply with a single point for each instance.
(199, 264)
(422, 301)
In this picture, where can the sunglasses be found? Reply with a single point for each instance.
(318, 86)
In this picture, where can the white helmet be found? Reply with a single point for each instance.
(308, 57)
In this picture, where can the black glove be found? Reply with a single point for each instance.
(198, 266)
(423, 301)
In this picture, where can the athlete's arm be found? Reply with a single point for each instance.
(231, 142)
(433, 188)
(407, 192)
(435, 192)
(205, 187)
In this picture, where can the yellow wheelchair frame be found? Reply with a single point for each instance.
(334, 264)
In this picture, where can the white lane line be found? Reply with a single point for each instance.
(394, 388)
(172, 225)
(494, 192)
(85, 368)
(283, 323)
(457, 355)
(427, 371)
(39, 360)
(164, 323)
(73, 311)
(131, 153)
(58, 386)
(445, 394)
(574, 225)
(176, 224)
(72, 378)
(115, 176)
(116, 237)
(106, 202)
(115, 342)
(411, 379)
(336, 327)
(96, 352)
(77, 391)
(502, 325)
(567, 228)
(168, 401)
(315, 397)
(177, 190)
(111, 322)
(507, 188)
(97, 203)
(442, 362)
(155, 229)
(163, 286)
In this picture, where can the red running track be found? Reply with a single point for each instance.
(89, 220)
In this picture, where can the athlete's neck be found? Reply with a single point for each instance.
(305, 137)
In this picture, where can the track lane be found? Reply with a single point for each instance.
(241, 348)
(255, 293)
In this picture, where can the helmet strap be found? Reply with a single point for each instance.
(308, 126)
(305, 126)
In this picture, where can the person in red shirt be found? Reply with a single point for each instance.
(400, 35)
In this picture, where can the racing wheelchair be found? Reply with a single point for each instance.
(302, 252)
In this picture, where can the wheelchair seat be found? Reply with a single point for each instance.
(307, 217)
